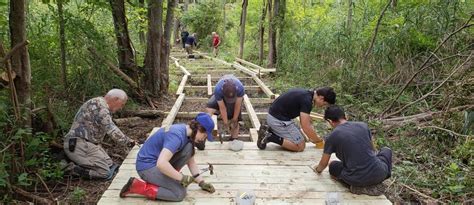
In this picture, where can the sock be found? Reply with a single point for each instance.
(275, 139)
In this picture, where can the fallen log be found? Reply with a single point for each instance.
(129, 122)
(144, 113)
(31, 197)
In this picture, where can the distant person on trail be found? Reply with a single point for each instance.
(226, 101)
(163, 155)
(282, 130)
(216, 41)
(190, 43)
(184, 37)
(361, 167)
(92, 122)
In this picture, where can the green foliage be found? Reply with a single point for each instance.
(202, 19)
(77, 195)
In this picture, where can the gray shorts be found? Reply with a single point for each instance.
(212, 103)
(285, 129)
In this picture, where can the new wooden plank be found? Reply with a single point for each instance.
(181, 85)
(264, 87)
(251, 112)
(209, 85)
(209, 88)
(187, 115)
(174, 110)
(252, 66)
(184, 70)
(254, 134)
(243, 69)
(252, 100)
(214, 132)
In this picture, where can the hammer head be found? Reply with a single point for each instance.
(211, 168)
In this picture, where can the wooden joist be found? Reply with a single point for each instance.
(209, 85)
(264, 87)
(185, 71)
(188, 115)
(252, 100)
(251, 112)
(243, 69)
(206, 87)
(214, 132)
(253, 134)
(172, 114)
(182, 85)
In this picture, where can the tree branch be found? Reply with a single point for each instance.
(444, 129)
(367, 53)
(432, 91)
(423, 66)
(13, 50)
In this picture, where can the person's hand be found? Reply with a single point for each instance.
(207, 187)
(131, 143)
(234, 123)
(227, 126)
(315, 169)
(186, 180)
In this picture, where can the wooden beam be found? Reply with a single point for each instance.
(214, 132)
(253, 134)
(251, 112)
(172, 114)
(174, 59)
(209, 85)
(182, 85)
(188, 115)
(203, 87)
(264, 87)
(252, 100)
(184, 70)
(256, 67)
(243, 69)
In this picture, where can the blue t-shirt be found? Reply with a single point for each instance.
(174, 140)
(218, 92)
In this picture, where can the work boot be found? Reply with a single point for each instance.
(374, 190)
(138, 186)
(82, 172)
(263, 134)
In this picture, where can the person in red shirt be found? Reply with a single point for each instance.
(216, 41)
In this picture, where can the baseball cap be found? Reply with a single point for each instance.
(206, 121)
(230, 91)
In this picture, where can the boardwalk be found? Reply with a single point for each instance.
(275, 176)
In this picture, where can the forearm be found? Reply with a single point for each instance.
(194, 169)
(223, 112)
(170, 171)
(237, 108)
(309, 131)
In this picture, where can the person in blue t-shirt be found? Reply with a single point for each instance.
(361, 167)
(226, 101)
(162, 156)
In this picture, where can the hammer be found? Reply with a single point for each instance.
(210, 168)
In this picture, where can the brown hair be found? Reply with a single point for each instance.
(195, 126)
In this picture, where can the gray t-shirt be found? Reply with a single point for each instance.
(351, 141)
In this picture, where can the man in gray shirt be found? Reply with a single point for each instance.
(360, 167)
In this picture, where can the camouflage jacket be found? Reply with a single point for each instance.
(93, 121)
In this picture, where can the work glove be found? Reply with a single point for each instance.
(207, 187)
(186, 180)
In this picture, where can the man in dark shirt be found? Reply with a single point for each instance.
(360, 167)
(190, 43)
(184, 37)
(282, 130)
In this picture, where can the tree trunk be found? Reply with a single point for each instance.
(261, 32)
(165, 49)
(125, 53)
(186, 4)
(62, 42)
(349, 17)
(243, 18)
(272, 31)
(176, 30)
(141, 33)
(152, 56)
(224, 18)
(20, 61)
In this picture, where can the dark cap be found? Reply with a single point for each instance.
(229, 89)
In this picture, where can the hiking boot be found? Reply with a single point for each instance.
(374, 190)
(82, 172)
(263, 135)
